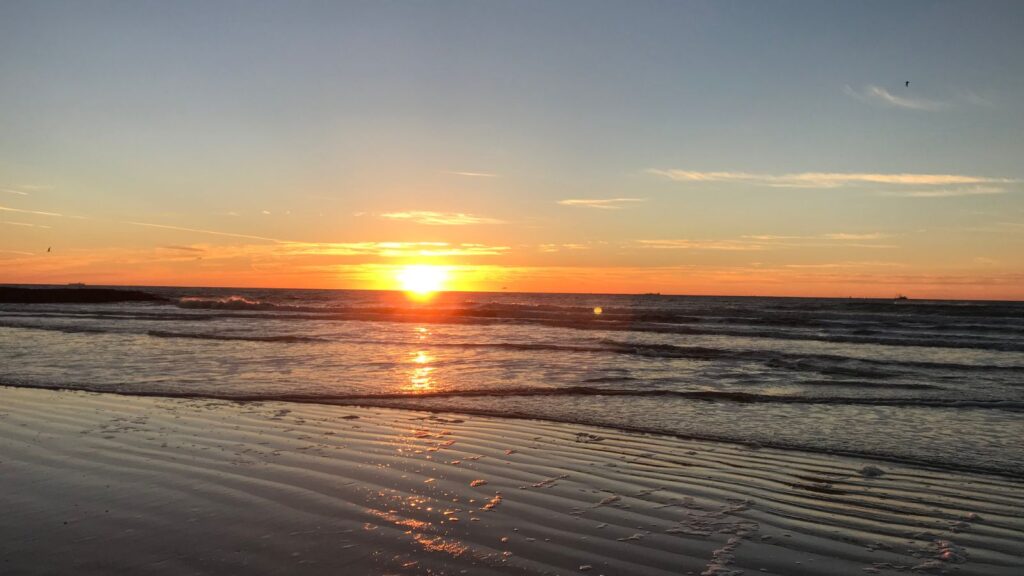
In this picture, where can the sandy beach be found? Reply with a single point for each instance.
(108, 484)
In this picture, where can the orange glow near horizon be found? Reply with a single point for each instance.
(260, 266)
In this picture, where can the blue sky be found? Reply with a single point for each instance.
(689, 123)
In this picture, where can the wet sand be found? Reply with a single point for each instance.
(106, 484)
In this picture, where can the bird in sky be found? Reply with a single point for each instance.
(48, 248)
(907, 83)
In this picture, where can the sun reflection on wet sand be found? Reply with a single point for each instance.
(438, 544)
(423, 533)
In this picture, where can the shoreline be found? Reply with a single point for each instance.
(101, 483)
(415, 404)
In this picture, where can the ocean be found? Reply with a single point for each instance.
(933, 383)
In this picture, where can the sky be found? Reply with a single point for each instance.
(746, 148)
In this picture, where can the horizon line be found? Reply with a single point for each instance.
(848, 297)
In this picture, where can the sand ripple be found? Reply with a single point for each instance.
(98, 484)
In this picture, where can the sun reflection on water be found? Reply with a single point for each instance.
(421, 378)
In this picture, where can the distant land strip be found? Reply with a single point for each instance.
(11, 295)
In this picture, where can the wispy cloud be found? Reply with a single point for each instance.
(759, 242)
(880, 96)
(551, 248)
(36, 212)
(200, 231)
(974, 98)
(847, 265)
(390, 249)
(471, 174)
(851, 236)
(283, 247)
(830, 179)
(25, 189)
(440, 218)
(26, 224)
(185, 248)
(601, 203)
(946, 192)
(683, 244)
(838, 236)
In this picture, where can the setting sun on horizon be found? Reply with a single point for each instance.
(422, 280)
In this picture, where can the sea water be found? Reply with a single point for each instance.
(938, 383)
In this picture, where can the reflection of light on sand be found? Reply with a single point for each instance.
(416, 528)
(397, 520)
(438, 544)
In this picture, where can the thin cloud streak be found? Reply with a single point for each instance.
(829, 179)
(847, 264)
(17, 192)
(184, 248)
(760, 242)
(199, 231)
(600, 203)
(26, 224)
(839, 236)
(880, 96)
(472, 174)
(440, 218)
(975, 98)
(36, 212)
(380, 249)
(383, 249)
(946, 192)
(551, 248)
(683, 244)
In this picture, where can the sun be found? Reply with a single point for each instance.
(422, 279)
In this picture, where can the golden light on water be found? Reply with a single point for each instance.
(421, 378)
(422, 280)
(598, 310)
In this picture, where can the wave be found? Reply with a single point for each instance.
(654, 321)
(230, 303)
(1011, 470)
(830, 364)
(414, 402)
(824, 364)
(586, 391)
(230, 338)
(980, 332)
(698, 395)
